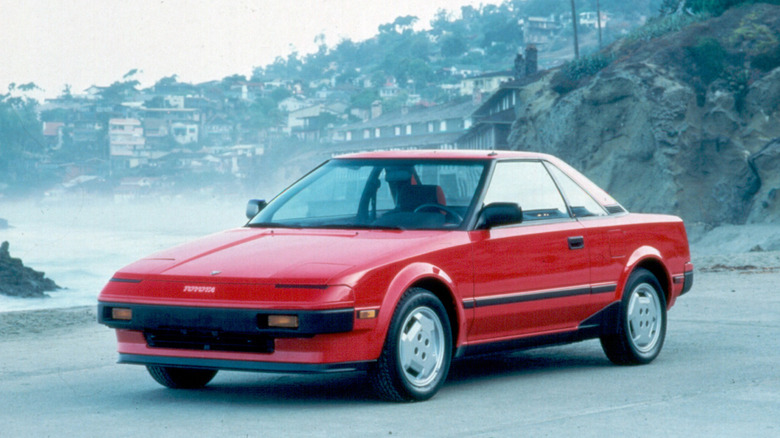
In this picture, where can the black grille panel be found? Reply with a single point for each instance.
(213, 340)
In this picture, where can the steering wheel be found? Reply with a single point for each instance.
(449, 212)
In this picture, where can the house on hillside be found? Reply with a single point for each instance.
(218, 131)
(127, 144)
(293, 103)
(185, 132)
(88, 133)
(52, 133)
(591, 19)
(156, 133)
(296, 119)
(492, 120)
(485, 83)
(182, 124)
(436, 127)
(246, 91)
(389, 89)
(311, 123)
(540, 30)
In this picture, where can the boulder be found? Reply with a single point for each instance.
(766, 204)
(17, 280)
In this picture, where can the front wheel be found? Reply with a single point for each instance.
(641, 326)
(416, 356)
(181, 378)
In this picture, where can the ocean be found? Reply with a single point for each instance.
(79, 242)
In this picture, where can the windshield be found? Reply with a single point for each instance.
(392, 194)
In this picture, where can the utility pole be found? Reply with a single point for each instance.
(574, 23)
(598, 20)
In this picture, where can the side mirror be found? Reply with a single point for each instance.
(500, 213)
(254, 206)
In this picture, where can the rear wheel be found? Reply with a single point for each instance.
(641, 325)
(181, 378)
(416, 356)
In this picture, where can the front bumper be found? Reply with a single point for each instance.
(240, 339)
(147, 317)
(243, 365)
(208, 329)
(687, 282)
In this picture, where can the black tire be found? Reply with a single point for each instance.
(181, 378)
(641, 325)
(414, 368)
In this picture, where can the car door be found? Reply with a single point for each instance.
(533, 277)
(602, 233)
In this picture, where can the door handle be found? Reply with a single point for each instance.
(576, 242)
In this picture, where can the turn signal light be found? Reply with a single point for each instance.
(122, 313)
(283, 321)
(367, 314)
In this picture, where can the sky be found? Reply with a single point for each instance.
(86, 42)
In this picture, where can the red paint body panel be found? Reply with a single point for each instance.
(504, 283)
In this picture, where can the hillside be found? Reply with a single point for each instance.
(686, 123)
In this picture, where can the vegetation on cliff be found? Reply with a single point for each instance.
(686, 122)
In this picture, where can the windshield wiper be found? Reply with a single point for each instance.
(271, 225)
(385, 227)
(360, 227)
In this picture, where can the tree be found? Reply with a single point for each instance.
(131, 73)
(364, 99)
(413, 69)
(263, 113)
(119, 90)
(21, 135)
(405, 24)
(279, 94)
(66, 94)
(453, 46)
(167, 81)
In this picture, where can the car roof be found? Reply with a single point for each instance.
(449, 154)
(446, 154)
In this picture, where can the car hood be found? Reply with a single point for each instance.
(281, 256)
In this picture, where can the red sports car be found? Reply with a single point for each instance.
(397, 263)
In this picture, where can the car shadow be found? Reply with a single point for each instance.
(526, 362)
(354, 388)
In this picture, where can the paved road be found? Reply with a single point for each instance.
(718, 375)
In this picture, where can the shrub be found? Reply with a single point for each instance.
(709, 57)
(573, 72)
(768, 60)
(663, 25)
(717, 7)
(587, 65)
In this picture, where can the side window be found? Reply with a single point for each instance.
(528, 184)
(581, 203)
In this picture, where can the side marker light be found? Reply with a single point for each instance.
(283, 321)
(367, 314)
(121, 313)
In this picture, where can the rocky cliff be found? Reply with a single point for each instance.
(17, 280)
(687, 123)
